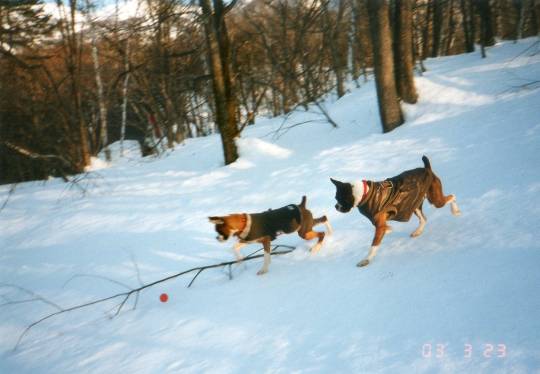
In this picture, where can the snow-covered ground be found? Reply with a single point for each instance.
(461, 298)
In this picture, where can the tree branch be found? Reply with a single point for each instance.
(126, 295)
(11, 191)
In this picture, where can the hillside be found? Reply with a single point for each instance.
(463, 297)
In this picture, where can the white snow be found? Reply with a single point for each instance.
(468, 285)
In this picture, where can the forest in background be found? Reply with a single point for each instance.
(74, 81)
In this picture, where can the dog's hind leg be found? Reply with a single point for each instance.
(453, 206)
(326, 222)
(422, 218)
(437, 198)
(312, 235)
(329, 230)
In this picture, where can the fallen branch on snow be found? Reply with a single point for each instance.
(124, 296)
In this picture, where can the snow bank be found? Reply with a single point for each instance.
(460, 298)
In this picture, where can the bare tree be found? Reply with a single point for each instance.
(437, 27)
(72, 45)
(336, 41)
(487, 37)
(192, 75)
(103, 131)
(124, 98)
(218, 45)
(383, 63)
(467, 12)
(403, 49)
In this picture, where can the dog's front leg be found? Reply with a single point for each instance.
(380, 230)
(267, 256)
(236, 249)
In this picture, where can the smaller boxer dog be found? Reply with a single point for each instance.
(266, 226)
(395, 198)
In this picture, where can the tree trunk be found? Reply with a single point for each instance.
(417, 44)
(101, 100)
(354, 43)
(487, 37)
(74, 68)
(383, 62)
(536, 8)
(219, 57)
(364, 41)
(468, 24)
(124, 99)
(437, 27)
(336, 52)
(521, 20)
(450, 39)
(426, 31)
(404, 61)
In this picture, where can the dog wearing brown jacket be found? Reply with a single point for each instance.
(264, 227)
(395, 198)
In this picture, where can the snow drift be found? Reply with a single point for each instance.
(463, 297)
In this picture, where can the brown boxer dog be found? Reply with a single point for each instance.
(266, 226)
(395, 199)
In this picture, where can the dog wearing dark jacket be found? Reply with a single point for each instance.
(266, 226)
(395, 198)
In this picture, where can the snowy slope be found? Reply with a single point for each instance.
(437, 303)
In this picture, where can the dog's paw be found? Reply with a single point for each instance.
(454, 207)
(455, 211)
(416, 234)
(315, 249)
(363, 263)
(262, 271)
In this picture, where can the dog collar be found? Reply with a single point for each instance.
(247, 228)
(360, 192)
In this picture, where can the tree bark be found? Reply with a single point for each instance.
(468, 24)
(333, 39)
(383, 61)
(103, 136)
(487, 37)
(74, 68)
(451, 31)
(437, 27)
(124, 99)
(404, 60)
(219, 57)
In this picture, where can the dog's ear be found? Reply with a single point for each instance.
(336, 183)
(216, 220)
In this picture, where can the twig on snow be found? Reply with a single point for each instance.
(126, 295)
(31, 293)
(11, 191)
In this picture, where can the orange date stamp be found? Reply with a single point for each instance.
(486, 350)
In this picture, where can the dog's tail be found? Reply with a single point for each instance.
(427, 164)
(303, 202)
